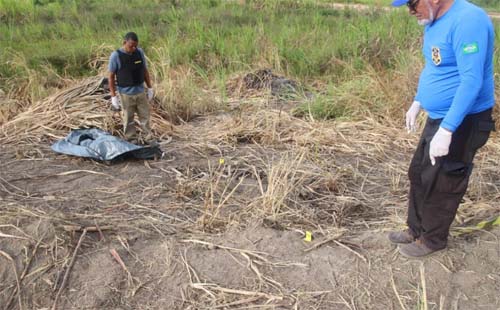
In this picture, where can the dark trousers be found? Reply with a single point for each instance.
(436, 191)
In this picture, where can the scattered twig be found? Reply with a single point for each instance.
(130, 279)
(68, 270)
(18, 282)
(24, 273)
(351, 250)
(237, 303)
(2, 235)
(99, 229)
(322, 242)
(424, 287)
(396, 291)
(255, 254)
(75, 228)
(83, 171)
(215, 287)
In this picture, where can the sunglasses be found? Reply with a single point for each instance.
(412, 4)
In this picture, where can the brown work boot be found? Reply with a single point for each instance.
(403, 236)
(415, 249)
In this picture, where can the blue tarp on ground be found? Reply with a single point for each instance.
(101, 145)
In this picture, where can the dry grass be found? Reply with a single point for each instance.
(257, 163)
(292, 160)
(83, 104)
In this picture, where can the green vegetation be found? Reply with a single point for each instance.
(487, 4)
(207, 41)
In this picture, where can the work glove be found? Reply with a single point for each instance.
(440, 144)
(150, 94)
(115, 103)
(411, 116)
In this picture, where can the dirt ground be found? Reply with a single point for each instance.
(219, 223)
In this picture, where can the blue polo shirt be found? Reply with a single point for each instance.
(114, 66)
(457, 79)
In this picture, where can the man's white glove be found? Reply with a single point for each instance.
(115, 102)
(411, 116)
(440, 144)
(150, 94)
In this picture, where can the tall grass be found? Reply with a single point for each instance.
(201, 42)
(487, 4)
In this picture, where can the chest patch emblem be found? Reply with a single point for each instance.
(436, 55)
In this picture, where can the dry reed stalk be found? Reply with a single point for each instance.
(423, 300)
(119, 260)
(214, 202)
(2, 235)
(282, 179)
(442, 301)
(351, 250)
(79, 228)
(214, 287)
(325, 241)
(82, 105)
(68, 270)
(238, 302)
(355, 148)
(393, 284)
(254, 259)
(255, 254)
(214, 290)
(18, 282)
(25, 271)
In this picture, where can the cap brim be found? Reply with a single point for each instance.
(399, 2)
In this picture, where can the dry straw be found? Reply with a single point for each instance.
(84, 104)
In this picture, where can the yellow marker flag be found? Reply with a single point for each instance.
(221, 161)
(308, 237)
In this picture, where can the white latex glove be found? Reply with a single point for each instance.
(411, 116)
(440, 144)
(115, 102)
(150, 94)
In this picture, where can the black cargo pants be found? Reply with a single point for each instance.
(436, 191)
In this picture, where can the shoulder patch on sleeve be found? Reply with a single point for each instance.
(470, 48)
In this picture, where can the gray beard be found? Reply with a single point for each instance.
(424, 22)
(427, 21)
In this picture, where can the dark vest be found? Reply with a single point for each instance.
(131, 72)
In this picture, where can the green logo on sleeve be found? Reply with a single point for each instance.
(470, 48)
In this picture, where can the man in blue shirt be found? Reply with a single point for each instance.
(128, 68)
(456, 90)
